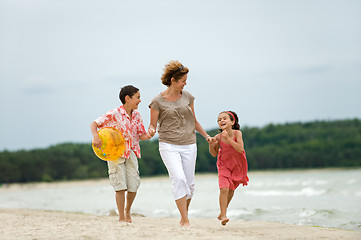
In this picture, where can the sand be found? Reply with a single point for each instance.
(40, 224)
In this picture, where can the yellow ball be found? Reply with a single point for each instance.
(113, 144)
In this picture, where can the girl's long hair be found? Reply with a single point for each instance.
(233, 116)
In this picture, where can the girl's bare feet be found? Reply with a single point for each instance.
(224, 221)
(219, 217)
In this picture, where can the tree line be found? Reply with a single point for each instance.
(317, 144)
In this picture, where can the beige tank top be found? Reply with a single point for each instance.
(176, 122)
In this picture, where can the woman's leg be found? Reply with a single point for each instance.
(175, 162)
(189, 156)
(183, 210)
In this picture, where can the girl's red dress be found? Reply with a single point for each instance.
(232, 166)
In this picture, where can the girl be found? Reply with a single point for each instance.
(231, 162)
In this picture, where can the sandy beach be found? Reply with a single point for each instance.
(40, 224)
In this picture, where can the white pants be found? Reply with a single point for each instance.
(180, 161)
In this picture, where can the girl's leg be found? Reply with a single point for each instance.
(223, 204)
(229, 198)
(120, 199)
(130, 200)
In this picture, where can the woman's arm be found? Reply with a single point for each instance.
(198, 126)
(154, 114)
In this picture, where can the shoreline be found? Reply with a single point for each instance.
(12, 200)
(61, 183)
(43, 224)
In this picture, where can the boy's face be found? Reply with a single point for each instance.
(134, 101)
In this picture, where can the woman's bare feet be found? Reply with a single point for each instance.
(184, 223)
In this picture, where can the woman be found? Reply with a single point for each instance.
(173, 110)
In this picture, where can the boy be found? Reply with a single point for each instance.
(123, 173)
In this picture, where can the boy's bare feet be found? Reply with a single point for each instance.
(219, 217)
(128, 217)
(121, 219)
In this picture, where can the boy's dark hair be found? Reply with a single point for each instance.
(128, 90)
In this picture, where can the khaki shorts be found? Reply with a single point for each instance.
(124, 173)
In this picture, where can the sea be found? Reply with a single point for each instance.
(325, 198)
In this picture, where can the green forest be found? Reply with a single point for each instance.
(317, 144)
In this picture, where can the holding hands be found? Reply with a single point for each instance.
(151, 131)
(212, 140)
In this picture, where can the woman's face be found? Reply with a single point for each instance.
(179, 85)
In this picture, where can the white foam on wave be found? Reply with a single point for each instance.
(358, 193)
(289, 183)
(303, 192)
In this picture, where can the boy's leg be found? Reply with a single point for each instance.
(130, 200)
(133, 182)
(118, 181)
(120, 199)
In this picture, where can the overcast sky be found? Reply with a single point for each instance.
(62, 62)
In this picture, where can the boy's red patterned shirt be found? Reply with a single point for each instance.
(131, 129)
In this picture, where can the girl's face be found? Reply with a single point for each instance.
(179, 85)
(224, 121)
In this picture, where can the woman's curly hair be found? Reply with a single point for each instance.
(173, 69)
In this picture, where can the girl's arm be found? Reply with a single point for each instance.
(214, 146)
(198, 126)
(239, 146)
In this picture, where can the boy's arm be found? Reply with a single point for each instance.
(145, 136)
(96, 140)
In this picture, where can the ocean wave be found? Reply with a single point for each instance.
(290, 183)
(308, 192)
